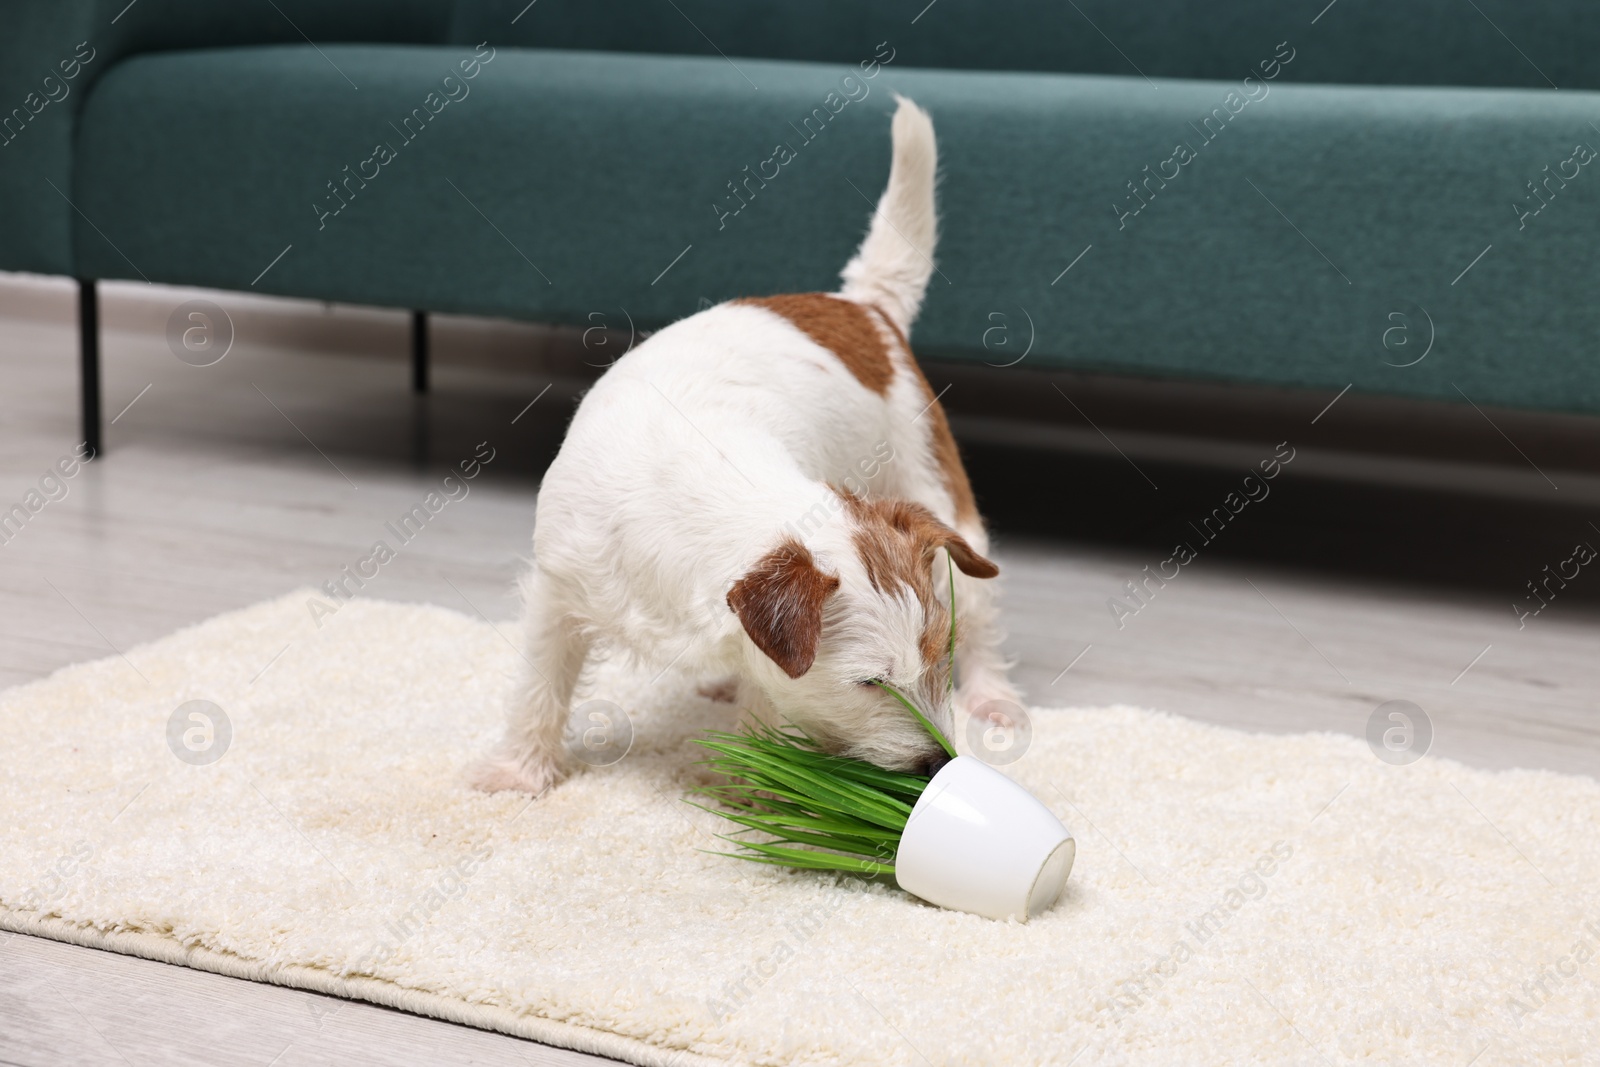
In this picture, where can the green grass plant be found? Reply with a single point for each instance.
(818, 811)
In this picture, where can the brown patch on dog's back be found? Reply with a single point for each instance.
(841, 326)
(945, 452)
(898, 541)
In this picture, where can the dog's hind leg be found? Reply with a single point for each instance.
(981, 665)
(532, 757)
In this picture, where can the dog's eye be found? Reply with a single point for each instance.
(871, 682)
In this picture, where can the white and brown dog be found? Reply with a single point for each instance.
(783, 459)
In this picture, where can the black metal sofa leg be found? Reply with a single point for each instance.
(89, 363)
(419, 351)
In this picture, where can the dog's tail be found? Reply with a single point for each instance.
(892, 267)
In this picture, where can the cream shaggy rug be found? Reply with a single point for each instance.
(1237, 899)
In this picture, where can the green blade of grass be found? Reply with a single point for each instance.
(786, 814)
(933, 730)
(906, 787)
(824, 861)
(819, 806)
(845, 863)
(950, 566)
(860, 770)
(823, 839)
(818, 811)
(783, 744)
(845, 796)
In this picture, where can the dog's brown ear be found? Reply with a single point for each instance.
(919, 522)
(966, 560)
(779, 603)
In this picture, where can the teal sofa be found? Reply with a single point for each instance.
(1392, 197)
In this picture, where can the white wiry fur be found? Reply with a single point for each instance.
(699, 452)
(894, 263)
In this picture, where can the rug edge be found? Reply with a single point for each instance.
(377, 991)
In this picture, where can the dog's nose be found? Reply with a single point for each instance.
(935, 764)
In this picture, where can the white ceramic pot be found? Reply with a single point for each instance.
(977, 841)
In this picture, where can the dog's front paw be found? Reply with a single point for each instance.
(989, 697)
(497, 774)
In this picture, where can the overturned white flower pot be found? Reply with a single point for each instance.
(979, 842)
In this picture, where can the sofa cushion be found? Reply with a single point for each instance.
(1396, 42)
(1315, 236)
(53, 51)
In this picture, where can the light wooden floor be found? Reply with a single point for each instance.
(229, 484)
